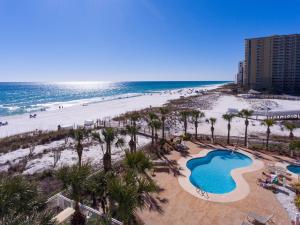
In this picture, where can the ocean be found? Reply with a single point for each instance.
(23, 97)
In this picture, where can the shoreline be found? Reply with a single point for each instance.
(77, 114)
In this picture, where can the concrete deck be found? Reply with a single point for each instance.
(178, 207)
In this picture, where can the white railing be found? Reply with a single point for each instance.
(63, 202)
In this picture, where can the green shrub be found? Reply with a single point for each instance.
(187, 137)
(296, 186)
(297, 201)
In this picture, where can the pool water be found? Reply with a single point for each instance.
(294, 169)
(212, 172)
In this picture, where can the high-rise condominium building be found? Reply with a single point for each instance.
(240, 74)
(272, 64)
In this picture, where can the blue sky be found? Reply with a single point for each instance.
(112, 40)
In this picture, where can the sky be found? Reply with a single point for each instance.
(124, 40)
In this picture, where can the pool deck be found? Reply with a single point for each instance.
(242, 188)
(176, 206)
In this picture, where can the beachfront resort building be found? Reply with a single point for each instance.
(272, 64)
(240, 74)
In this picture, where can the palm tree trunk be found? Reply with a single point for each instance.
(228, 133)
(79, 160)
(152, 136)
(196, 129)
(163, 129)
(291, 134)
(268, 136)
(107, 158)
(246, 132)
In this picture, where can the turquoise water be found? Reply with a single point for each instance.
(294, 169)
(212, 172)
(18, 98)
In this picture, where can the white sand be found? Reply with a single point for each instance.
(238, 124)
(76, 115)
(43, 156)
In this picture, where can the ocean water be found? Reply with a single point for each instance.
(21, 97)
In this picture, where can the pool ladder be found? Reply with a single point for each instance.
(202, 192)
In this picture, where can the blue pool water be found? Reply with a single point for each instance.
(294, 169)
(212, 172)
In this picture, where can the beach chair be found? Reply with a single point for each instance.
(253, 217)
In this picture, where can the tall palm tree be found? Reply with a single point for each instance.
(79, 135)
(151, 117)
(290, 127)
(134, 117)
(75, 178)
(196, 114)
(97, 186)
(184, 117)
(228, 117)
(269, 123)
(110, 136)
(132, 130)
(163, 112)
(294, 146)
(245, 113)
(20, 203)
(156, 125)
(212, 121)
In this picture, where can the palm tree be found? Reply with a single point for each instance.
(134, 117)
(156, 126)
(269, 123)
(184, 116)
(212, 121)
(196, 114)
(127, 194)
(110, 136)
(228, 117)
(78, 135)
(245, 113)
(163, 112)
(132, 130)
(20, 203)
(97, 186)
(75, 178)
(294, 146)
(290, 127)
(138, 162)
(151, 117)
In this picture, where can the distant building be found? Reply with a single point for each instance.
(240, 74)
(272, 64)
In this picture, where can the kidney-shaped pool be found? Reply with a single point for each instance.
(212, 172)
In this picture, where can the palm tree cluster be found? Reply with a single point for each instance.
(118, 193)
(20, 203)
(195, 115)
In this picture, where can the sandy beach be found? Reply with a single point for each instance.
(77, 114)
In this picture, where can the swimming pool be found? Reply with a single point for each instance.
(212, 172)
(294, 168)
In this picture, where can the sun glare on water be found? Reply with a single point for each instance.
(87, 85)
